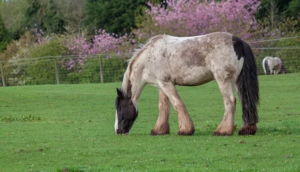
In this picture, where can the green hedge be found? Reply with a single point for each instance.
(89, 72)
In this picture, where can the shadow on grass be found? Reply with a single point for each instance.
(282, 130)
(278, 131)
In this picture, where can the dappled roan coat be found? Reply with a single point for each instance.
(165, 61)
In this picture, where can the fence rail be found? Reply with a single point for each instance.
(99, 68)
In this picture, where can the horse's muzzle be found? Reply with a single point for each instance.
(120, 132)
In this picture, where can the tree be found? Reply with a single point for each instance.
(285, 8)
(114, 16)
(73, 13)
(46, 15)
(13, 14)
(4, 37)
(102, 43)
(294, 8)
(188, 18)
(273, 13)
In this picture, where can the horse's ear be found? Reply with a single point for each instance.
(120, 94)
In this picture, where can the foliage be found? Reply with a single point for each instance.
(13, 13)
(23, 67)
(286, 8)
(186, 18)
(89, 72)
(74, 14)
(114, 16)
(46, 15)
(13, 57)
(21, 15)
(294, 8)
(147, 28)
(4, 37)
(53, 47)
(102, 43)
(76, 130)
(264, 7)
(43, 70)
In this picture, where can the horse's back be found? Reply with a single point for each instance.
(192, 60)
(277, 60)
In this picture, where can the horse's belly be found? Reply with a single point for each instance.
(193, 77)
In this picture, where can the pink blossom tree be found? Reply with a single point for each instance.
(39, 35)
(102, 43)
(191, 17)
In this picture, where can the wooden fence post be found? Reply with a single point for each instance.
(56, 73)
(2, 75)
(101, 69)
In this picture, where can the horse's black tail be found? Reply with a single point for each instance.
(266, 66)
(247, 82)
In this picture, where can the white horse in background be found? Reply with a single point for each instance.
(273, 65)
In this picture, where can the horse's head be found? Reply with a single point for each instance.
(282, 67)
(126, 113)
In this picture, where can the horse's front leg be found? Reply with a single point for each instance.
(186, 126)
(162, 124)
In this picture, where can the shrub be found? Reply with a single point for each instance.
(43, 70)
(89, 72)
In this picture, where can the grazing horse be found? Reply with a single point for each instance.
(165, 61)
(273, 65)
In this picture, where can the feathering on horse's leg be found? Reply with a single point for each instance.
(186, 126)
(162, 124)
(226, 127)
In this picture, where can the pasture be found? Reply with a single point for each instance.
(71, 128)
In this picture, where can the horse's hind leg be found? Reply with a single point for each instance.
(226, 127)
(186, 126)
(162, 124)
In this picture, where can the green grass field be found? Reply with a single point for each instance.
(71, 128)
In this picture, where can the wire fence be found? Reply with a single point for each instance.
(63, 70)
(101, 68)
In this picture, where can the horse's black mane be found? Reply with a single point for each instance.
(117, 102)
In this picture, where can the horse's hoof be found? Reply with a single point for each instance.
(154, 133)
(224, 131)
(248, 129)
